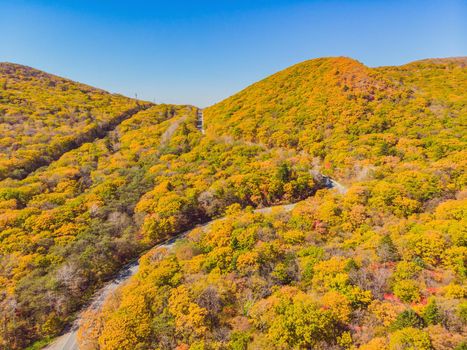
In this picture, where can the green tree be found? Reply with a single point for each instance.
(408, 318)
(431, 314)
(387, 250)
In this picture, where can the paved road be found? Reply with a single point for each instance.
(200, 121)
(338, 186)
(68, 340)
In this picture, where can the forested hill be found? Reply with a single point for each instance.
(71, 216)
(381, 266)
(349, 115)
(42, 116)
(378, 266)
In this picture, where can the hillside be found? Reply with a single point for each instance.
(381, 266)
(377, 265)
(42, 116)
(67, 227)
(349, 115)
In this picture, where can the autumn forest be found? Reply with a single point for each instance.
(324, 207)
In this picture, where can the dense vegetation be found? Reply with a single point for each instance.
(42, 116)
(350, 117)
(382, 266)
(302, 280)
(67, 227)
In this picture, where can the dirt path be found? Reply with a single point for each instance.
(95, 133)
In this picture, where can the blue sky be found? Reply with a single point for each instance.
(199, 52)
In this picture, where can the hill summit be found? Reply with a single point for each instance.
(324, 103)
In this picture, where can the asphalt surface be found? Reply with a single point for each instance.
(68, 341)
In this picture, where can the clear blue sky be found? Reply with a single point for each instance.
(200, 52)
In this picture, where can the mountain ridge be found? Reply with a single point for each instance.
(43, 115)
(6, 66)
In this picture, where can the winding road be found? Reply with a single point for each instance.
(68, 341)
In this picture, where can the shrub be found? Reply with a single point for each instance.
(431, 314)
(408, 318)
(239, 340)
(409, 339)
(407, 291)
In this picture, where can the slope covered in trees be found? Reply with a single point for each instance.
(42, 116)
(67, 227)
(350, 116)
(382, 266)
